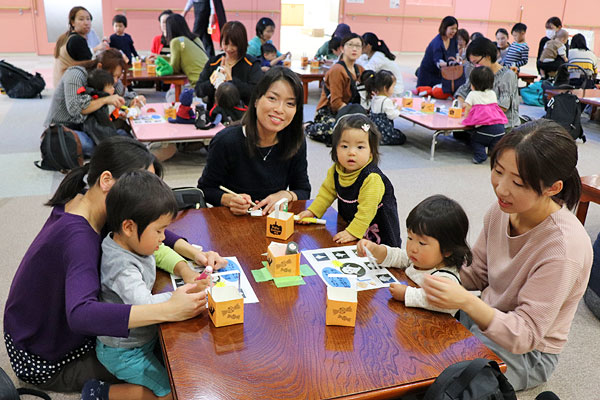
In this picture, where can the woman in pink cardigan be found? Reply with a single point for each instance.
(532, 260)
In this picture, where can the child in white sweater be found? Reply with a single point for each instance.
(437, 233)
(383, 111)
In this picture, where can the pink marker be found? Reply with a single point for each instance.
(207, 271)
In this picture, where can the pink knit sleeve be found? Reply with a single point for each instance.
(551, 287)
(475, 276)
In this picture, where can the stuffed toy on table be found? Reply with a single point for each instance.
(185, 114)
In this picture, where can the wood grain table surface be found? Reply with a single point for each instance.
(284, 350)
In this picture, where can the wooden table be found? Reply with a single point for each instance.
(439, 123)
(307, 75)
(166, 131)
(586, 96)
(527, 78)
(284, 350)
(590, 191)
(142, 75)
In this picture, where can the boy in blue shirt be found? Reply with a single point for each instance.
(517, 54)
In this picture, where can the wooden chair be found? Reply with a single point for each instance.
(590, 191)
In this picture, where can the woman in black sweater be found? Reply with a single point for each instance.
(264, 158)
(240, 69)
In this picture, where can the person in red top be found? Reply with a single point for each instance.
(160, 45)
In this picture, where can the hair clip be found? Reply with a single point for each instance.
(366, 127)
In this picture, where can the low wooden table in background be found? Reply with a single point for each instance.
(142, 75)
(527, 78)
(284, 350)
(586, 96)
(308, 74)
(590, 191)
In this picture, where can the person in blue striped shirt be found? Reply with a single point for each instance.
(518, 52)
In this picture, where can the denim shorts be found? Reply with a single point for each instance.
(136, 365)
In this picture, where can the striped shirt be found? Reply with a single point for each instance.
(67, 104)
(585, 59)
(517, 55)
(534, 281)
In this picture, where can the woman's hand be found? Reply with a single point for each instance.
(185, 304)
(227, 71)
(237, 204)
(398, 291)
(344, 237)
(445, 293)
(101, 47)
(138, 101)
(114, 100)
(211, 258)
(305, 214)
(379, 251)
(268, 203)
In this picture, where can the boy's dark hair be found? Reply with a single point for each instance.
(117, 155)
(356, 121)
(554, 21)
(227, 95)
(444, 220)
(476, 35)
(262, 24)
(482, 78)
(98, 79)
(545, 153)
(382, 80)
(334, 43)
(140, 196)
(483, 47)
(464, 34)
(120, 18)
(291, 137)
(446, 22)
(267, 48)
(578, 42)
(519, 27)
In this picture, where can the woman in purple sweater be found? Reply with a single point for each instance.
(532, 260)
(52, 313)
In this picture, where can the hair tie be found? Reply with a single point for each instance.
(366, 127)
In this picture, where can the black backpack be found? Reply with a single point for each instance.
(479, 379)
(189, 197)
(565, 109)
(20, 84)
(9, 392)
(61, 149)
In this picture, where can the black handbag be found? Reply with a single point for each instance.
(8, 391)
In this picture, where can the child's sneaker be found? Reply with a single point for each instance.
(95, 390)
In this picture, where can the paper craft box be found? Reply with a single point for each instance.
(341, 306)
(280, 225)
(455, 111)
(280, 264)
(427, 107)
(407, 100)
(170, 112)
(225, 306)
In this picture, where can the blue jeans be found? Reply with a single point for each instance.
(485, 136)
(87, 144)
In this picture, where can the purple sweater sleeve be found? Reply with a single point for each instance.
(171, 238)
(85, 314)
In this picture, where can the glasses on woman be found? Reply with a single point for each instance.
(353, 46)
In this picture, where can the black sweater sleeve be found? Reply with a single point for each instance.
(298, 174)
(218, 167)
(78, 49)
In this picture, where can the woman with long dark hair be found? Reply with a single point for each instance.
(52, 313)
(160, 45)
(532, 260)
(377, 56)
(187, 52)
(264, 158)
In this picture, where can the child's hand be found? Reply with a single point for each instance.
(398, 291)
(201, 285)
(514, 69)
(344, 237)
(305, 214)
(114, 100)
(378, 251)
(265, 68)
